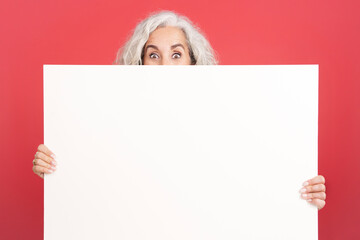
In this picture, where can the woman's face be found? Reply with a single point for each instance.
(166, 46)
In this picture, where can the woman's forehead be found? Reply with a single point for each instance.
(168, 35)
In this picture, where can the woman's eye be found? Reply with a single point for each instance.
(153, 54)
(176, 55)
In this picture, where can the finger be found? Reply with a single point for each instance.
(319, 195)
(317, 202)
(40, 169)
(42, 163)
(46, 150)
(314, 188)
(316, 180)
(42, 156)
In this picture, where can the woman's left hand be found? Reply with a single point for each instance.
(314, 191)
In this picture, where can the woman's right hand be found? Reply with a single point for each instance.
(44, 161)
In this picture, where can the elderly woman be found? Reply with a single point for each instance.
(166, 38)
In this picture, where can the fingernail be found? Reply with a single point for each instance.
(305, 183)
(50, 171)
(304, 195)
(309, 200)
(53, 168)
(303, 190)
(54, 162)
(53, 156)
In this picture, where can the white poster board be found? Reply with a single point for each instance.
(180, 152)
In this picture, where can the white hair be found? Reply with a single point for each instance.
(200, 50)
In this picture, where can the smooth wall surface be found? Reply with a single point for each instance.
(322, 32)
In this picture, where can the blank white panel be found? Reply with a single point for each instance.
(180, 152)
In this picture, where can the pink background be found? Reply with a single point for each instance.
(33, 33)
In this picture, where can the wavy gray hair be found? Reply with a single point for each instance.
(201, 52)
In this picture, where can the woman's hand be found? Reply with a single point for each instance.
(314, 191)
(44, 161)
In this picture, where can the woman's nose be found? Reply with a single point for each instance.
(166, 61)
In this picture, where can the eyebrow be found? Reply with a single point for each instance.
(177, 45)
(172, 47)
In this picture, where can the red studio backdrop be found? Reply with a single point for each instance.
(324, 32)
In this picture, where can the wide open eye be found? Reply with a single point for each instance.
(176, 55)
(153, 55)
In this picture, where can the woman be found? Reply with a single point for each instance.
(166, 38)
